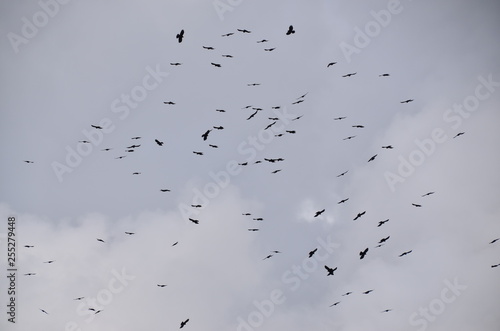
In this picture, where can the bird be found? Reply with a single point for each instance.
(227, 55)
(28, 246)
(175, 63)
(268, 257)
(198, 153)
(228, 34)
(359, 215)
(405, 253)
(244, 30)
(30, 274)
(495, 265)
(407, 101)
(205, 135)
(136, 173)
(253, 84)
(28, 161)
(79, 298)
(50, 261)
(319, 212)
(96, 127)
(263, 41)
(362, 254)
(384, 75)
(160, 143)
(84, 141)
(194, 221)
(196, 206)
(380, 223)
(342, 201)
(334, 304)
(342, 174)
(296, 102)
(290, 30)
(165, 190)
(215, 64)
(339, 118)
(129, 233)
(97, 312)
(296, 118)
(428, 193)
(253, 229)
(311, 253)
(269, 49)
(270, 125)
(180, 36)
(383, 240)
(276, 171)
(372, 158)
(386, 311)
(250, 117)
(459, 134)
(175, 243)
(183, 323)
(347, 293)
(258, 219)
(169, 102)
(330, 270)
(220, 110)
(98, 239)
(120, 157)
(106, 149)
(246, 214)
(367, 292)
(43, 311)
(416, 205)
(387, 147)
(209, 48)
(331, 64)
(349, 75)
(277, 252)
(358, 126)
(243, 164)
(161, 285)
(290, 131)
(494, 240)
(136, 137)
(350, 137)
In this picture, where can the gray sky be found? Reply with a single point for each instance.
(79, 66)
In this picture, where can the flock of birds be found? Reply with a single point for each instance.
(205, 136)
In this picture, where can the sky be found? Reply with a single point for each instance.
(68, 65)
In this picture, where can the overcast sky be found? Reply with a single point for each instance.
(67, 66)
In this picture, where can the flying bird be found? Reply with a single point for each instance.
(384, 75)
(367, 292)
(383, 240)
(209, 48)
(96, 127)
(339, 118)
(215, 64)
(405, 253)
(359, 215)
(347, 293)
(495, 265)
(253, 229)
(334, 304)
(311, 253)
(28, 161)
(50, 261)
(227, 55)
(269, 49)
(491, 242)
(196, 206)
(130, 233)
(98, 239)
(270, 125)
(372, 158)
(106, 149)
(161, 285)
(253, 84)
(43, 311)
(220, 110)
(194, 221)
(290, 131)
(28, 246)
(198, 153)
(183, 323)
(459, 134)
(268, 257)
(228, 34)
(263, 41)
(342, 201)
(319, 212)
(205, 135)
(79, 298)
(160, 143)
(258, 219)
(428, 193)
(349, 75)
(165, 190)
(175, 63)
(387, 147)
(136, 137)
(84, 141)
(136, 173)
(30, 274)
(331, 64)
(244, 30)
(362, 254)
(416, 205)
(350, 137)
(358, 126)
(175, 243)
(180, 36)
(169, 102)
(342, 174)
(290, 30)
(407, 101)
(276, 171)
(380, 223)
(330, 270)
(252, 115)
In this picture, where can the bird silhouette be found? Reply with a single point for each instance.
(130, 233)
(358, 126)
(407, 101)
(347, 293)
(331, 64)
(342, 201)
(160, 143)
(362, 254)
(372, 158)
(169, 102)
(384, 75)
(367, 292)
(96, 127)
(334, 304)
(319, 212)
(28, 161)
(342, 174)
(98, 239)
(276, 171)
(350, 137)
(244, 30)
(165, 190)
(79, 298)
(380, 223)
(263, 41)
(416, 205)
(428, 193)
(339, 118)
(359, 215)
(491, 242)
(251, 116)
(405, 253)
(196, 206)
(198, 153)
(28, 246)
(253, 229)
(387, 147)
(50, 261)
(290, 30)
(495, 265)
(311, 253)
(330, 270)
(30, 274)
(194, 220)
(269, 49)
(220, 110)
(386, 311)
(180, 36)
(175, 63)
(349, 75)
(183, 323)
(215, 64)
(383, 240)
(43, 311)
(209, 48)
(459, 134)
(228, 34)
(161, 285)
(268, 257)
(205, 135)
